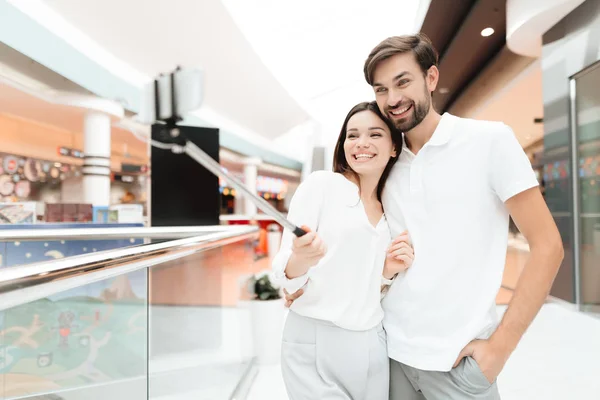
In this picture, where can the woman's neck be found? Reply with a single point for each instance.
(368, 186)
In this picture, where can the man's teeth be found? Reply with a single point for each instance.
(401, 111)
(357, 156)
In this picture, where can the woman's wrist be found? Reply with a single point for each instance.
(296, 266)
(387, 273)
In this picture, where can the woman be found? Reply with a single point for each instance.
(334, 345)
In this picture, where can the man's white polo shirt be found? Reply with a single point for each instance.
(450, 197)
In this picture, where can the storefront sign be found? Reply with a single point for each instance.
(67, 152)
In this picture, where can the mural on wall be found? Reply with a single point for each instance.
(95, 334)
(92, 334)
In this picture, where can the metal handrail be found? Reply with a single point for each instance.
(172, 232)
(27, 283)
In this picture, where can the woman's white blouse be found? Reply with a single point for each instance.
(345, 286)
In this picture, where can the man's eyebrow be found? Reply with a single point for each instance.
(399, 76)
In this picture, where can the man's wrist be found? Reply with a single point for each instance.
(502, 344)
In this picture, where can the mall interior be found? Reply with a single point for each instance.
(128, 271)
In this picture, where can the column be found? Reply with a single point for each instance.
(238, 207)
(96, 166)
(250, 175)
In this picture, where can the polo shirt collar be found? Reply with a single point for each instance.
(444, 130)
(441, 135)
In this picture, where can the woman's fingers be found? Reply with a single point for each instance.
(398, 246)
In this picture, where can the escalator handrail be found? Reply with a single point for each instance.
(170, 232)
(26, 283)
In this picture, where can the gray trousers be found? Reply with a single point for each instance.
(465, 382)
(321, 361)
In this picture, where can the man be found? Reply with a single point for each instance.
(453, 188)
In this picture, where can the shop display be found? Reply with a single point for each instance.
(6, 185)
(19, 175)
(22, 189)
(11, 164)
(24, 179)
(103, 214)
(18, 213)
(32, 170)
(129, 213)
(69, 213)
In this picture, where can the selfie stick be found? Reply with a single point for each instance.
(172, 139)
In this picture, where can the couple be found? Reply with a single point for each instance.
(451, 183)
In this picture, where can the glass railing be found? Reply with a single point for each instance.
(148, 319)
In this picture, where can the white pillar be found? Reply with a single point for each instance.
(96, 166)
(250, 175)
(238, 207)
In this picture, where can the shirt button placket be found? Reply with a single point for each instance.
(416, 178)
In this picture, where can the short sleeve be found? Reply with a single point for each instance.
(510, 169)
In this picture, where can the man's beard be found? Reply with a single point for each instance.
(420, 111)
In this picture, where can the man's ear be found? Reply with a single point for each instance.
(432, 78)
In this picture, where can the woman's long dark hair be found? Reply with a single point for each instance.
(340, 164)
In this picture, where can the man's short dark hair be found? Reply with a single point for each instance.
(419, 44)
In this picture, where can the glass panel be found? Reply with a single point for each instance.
(91, 339)
(557, 189)
(588, 142)
(196, 332)
(4, 357)
(172, 331)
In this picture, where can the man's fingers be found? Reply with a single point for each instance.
(459, 359)
(466, 352)
(294, 296)
(297, 294)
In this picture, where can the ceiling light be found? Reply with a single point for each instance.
(444, 90)
(487, 32)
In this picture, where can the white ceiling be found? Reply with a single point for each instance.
(154, 36)
(270, 65)
(316, 48)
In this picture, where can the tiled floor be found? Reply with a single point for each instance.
(557, 359)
